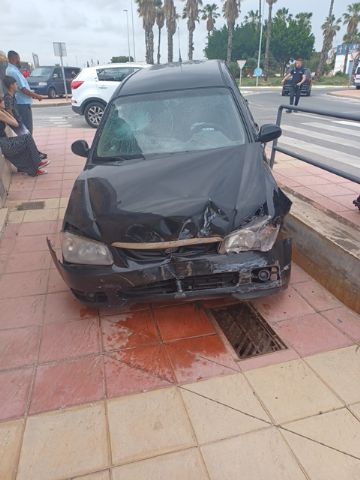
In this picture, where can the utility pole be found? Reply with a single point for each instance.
(260, 39)
(128, 33)
(133, 30)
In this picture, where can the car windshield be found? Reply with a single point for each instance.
(42, 72)
(171, 122)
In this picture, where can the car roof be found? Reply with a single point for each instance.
(114, 65)
(176, 76)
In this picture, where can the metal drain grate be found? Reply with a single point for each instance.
(247, 331)
(31, 206)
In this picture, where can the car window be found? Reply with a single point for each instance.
(171, 122)
(71, 72)
(115, 74)
(358, 71)
(42, 72)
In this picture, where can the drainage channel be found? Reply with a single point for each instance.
(39, 205)
(247, 331)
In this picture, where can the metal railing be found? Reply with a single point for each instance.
(303, 158)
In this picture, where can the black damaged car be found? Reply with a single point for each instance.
(176, 200)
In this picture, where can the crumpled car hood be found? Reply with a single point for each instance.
(174, 197)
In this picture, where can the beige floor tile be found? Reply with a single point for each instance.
(322, 463)
(292, 391)
(261, 455)
(104, 475)
(225, 397)
(64, 202)
(355, 410)
(15, 217)
(338, 429)
(64, 444)
(10, 439)
(341, 370)
(41, 215)
(148, 424)
(184, 465)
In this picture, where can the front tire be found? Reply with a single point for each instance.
(52, 93)
(93, 113)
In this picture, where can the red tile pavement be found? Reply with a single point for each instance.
(194, 359)
(19, 347)
(80, 355)
(282, 306)
(68, 383)
(311, 334)
(72, 339)
(346, 320)
(14, 392)
(130, 329)
(137, 370)
(182, 321)
(21, 312)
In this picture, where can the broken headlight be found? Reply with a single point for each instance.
(81, 250)
(259, 234)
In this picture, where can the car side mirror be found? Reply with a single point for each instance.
(81, 148)
(269, 132)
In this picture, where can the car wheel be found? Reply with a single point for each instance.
(93, 113)
(52, 93)
(357, 87)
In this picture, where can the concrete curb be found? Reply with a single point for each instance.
(326, 247)
(338, 94)
(43, 104)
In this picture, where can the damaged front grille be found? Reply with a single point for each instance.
(163, 254)
(188, 284)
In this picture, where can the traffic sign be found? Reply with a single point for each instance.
(241, 63)
(258, 72)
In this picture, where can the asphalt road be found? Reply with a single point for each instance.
(332, 141)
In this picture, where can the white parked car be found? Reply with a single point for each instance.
(94, 86)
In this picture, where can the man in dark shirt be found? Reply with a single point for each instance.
(298, 77)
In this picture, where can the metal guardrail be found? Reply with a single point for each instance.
(303, 158)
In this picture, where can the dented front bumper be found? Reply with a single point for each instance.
(245, 275)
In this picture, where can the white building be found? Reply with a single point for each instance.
(354, 52)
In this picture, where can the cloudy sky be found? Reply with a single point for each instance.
(96, 29)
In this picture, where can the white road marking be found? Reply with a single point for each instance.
(332, 128)
(329, 153)
(341, 141)
(346, 122)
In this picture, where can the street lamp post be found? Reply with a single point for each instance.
(260, 39)
(128, 33)
(133, 30)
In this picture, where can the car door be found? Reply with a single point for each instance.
(58, 81)
(109, 79)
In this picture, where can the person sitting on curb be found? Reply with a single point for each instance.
(10, 87)
(20, 150)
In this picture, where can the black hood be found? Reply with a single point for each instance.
(179, 196)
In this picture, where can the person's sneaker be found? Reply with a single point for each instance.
(43, 156)
(41, 172)
(44, 163)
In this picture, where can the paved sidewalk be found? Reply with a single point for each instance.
(157, 392)
(349, 93)
(50, 102)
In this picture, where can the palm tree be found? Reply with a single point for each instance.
(231, 11)
(170, 17)
(191, 12)
(210, 14)
(147, 10)
(329, 28)
(351, 19)
(160, 20)
(252, 18)
(268, 38)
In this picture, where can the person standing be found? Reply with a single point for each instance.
(298, 77)
(24, 95)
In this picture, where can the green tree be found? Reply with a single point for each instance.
(268, 38)
(160, 20)
(291, 37)
(171, 18)
(210, 14)
(351, 19)
(147, 11)
(191, 12)
(121, 59)
(231, 10)
(330, 27)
